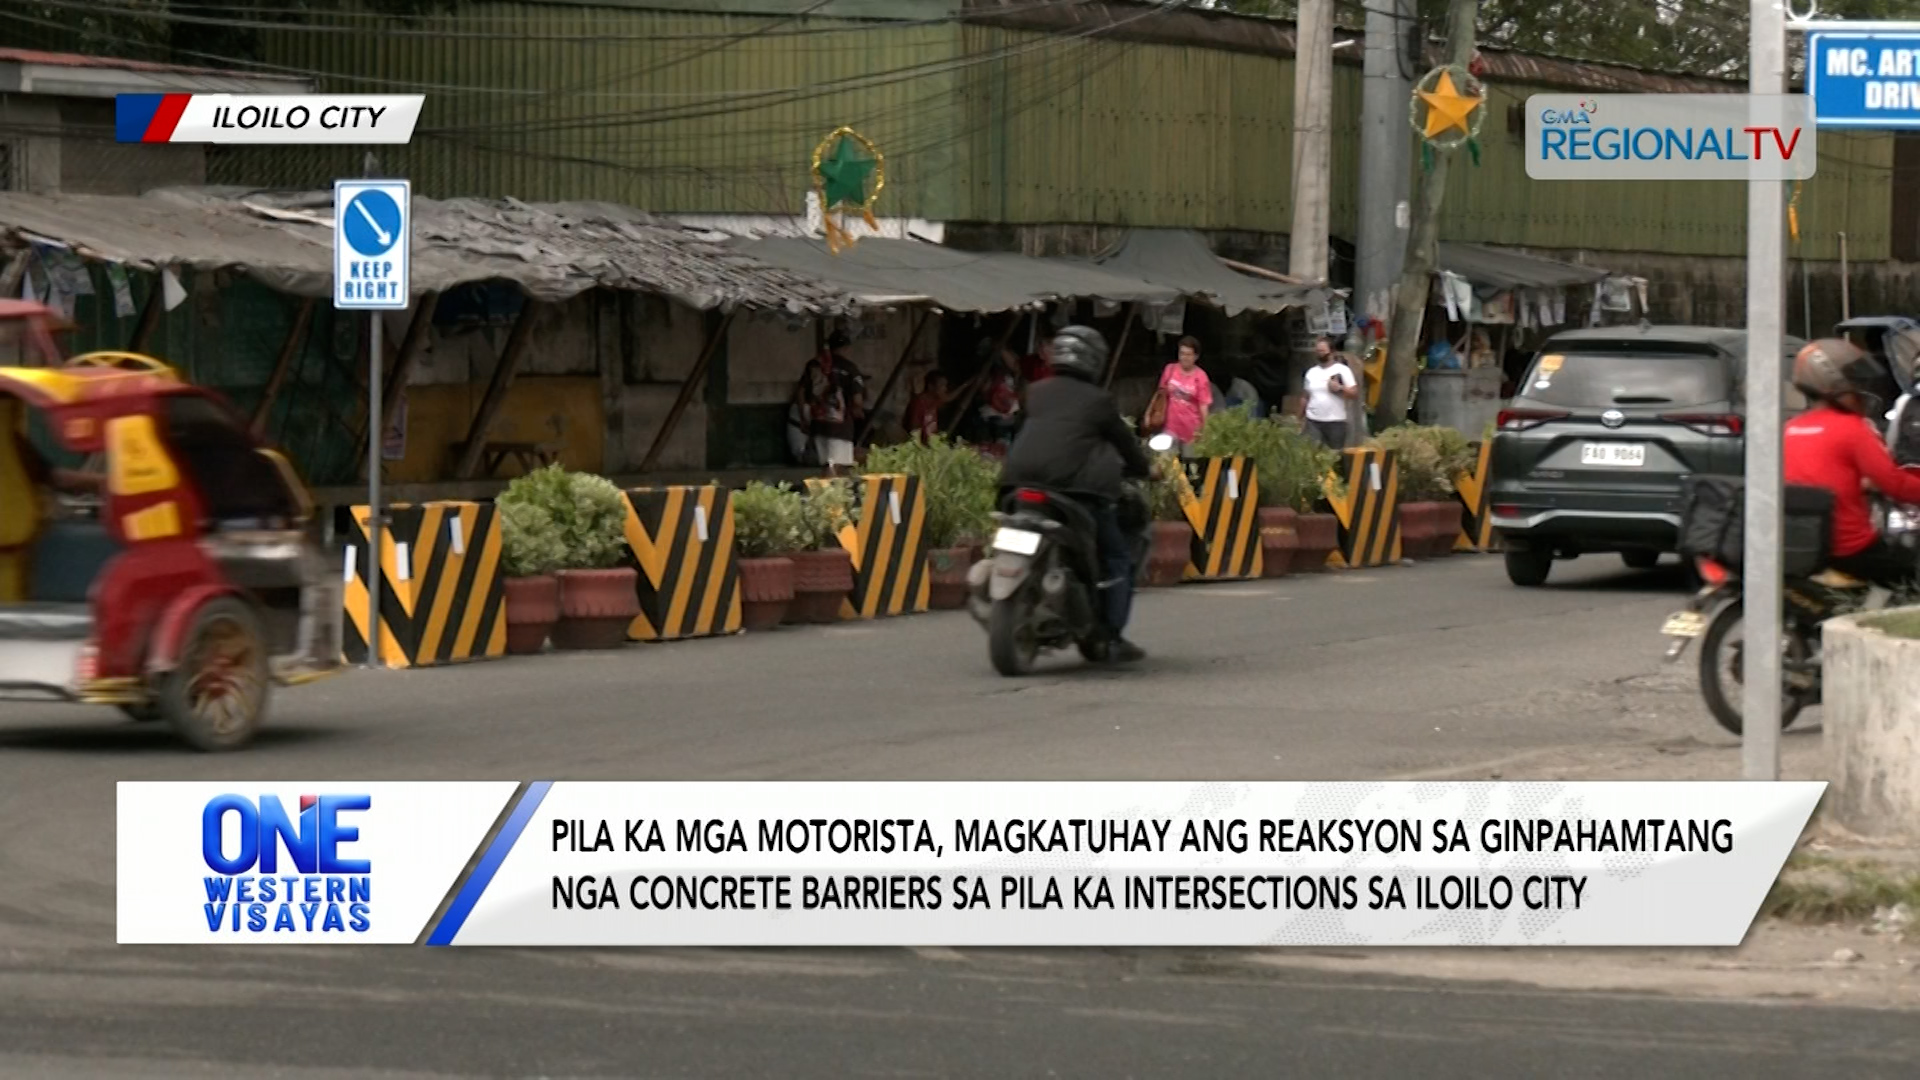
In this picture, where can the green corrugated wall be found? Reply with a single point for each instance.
(664, 111)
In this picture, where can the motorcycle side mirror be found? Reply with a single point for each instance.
(1160, 443)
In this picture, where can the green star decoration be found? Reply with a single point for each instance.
(845, 175)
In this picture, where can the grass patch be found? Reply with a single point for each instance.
(1813, 889)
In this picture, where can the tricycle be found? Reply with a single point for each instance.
(178, 584)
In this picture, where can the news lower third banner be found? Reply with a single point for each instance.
(953, 864)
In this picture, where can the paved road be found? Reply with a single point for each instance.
(1388, 673)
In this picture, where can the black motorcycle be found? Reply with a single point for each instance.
(1039, 588)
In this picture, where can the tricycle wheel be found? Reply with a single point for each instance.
(143, 713)
(216, 698)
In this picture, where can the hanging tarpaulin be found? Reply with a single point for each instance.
(1447, 109)
(1616, 294)
(848, 174)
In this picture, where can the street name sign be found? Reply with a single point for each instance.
(372, 241)
(1865, 80)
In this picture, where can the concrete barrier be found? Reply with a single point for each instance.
(1871, 717)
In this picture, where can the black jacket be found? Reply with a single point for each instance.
(1073, 441)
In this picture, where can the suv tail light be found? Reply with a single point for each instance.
(1031, 497)
(1522, 419)
(1725, 424)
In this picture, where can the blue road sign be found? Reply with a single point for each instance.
(372, 232)
(1867, 80)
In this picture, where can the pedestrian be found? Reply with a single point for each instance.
(923, 412)
(1000, 407)
(1330, 386)
(1188, 394)
(833, 398)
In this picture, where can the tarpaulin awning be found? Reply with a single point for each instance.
(552, 251)
(880, 269)
(1498, 269)
(1180, 259)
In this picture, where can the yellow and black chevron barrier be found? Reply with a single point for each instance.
(1223, 513)
(459, 589)
(1368, 509)
(442, 593)
(396, 586)
(1475, 492)
(889, 548)
(682, 540)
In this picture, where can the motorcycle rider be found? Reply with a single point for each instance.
(1073, 442)
(1835, 446)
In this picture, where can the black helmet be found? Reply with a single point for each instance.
(1080, 351)
(1829, 369)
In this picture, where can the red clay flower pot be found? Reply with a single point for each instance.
(1428, 528)
(1449, 514)
(947, 577)
(766, 591)
(1279, 539)
(533, 606)
(1319, 536)
(1171, 552)
(596, 608)
(821, 582)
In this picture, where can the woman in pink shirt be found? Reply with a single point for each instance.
(1189, 394)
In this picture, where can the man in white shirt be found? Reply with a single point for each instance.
(1330, 386)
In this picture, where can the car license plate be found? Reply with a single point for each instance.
(1018, 541)
(1626, 455)
(1685, 624)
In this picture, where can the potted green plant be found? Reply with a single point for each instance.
(1289, 471)
(768, 528)
(958, 486)
(598, 595)
(1429, 458)
(532, 549)
(822, 568)
(1172, 548)
(1300, 471)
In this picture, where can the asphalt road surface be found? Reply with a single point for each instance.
(1386, 673)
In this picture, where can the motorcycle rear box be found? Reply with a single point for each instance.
(1713, 516)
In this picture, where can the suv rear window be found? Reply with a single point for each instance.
(1598, 380)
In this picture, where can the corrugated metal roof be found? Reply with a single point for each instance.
(880, 270)
(553, 251)
(1182, 259)
(1497, 269)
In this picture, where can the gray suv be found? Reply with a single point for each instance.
(1589, 454)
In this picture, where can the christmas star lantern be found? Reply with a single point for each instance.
(848, 173)
(1449, 105)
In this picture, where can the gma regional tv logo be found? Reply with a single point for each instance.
(276, 871)
(1670, 137)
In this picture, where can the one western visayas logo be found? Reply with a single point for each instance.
(316, 887)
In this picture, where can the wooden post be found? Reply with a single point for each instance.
(893, 377)
(1126, 331)
(503, 372)
(687, 390)
(980, 377)
(150, 315)
(283, 366)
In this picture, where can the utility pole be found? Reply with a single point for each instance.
(1766, 299)
(1385, 157)
(1312, 140)
(1423, 246)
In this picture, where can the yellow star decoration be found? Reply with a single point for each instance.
(1448, 107)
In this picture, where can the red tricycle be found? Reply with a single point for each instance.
(179, 583)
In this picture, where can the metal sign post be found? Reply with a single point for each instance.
(372, 243)
(1766, 295)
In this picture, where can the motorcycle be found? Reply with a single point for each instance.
(1713, 615)
(1039, 588)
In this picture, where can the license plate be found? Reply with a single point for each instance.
(1018, 541)
(1685, 624)
(1618, 455)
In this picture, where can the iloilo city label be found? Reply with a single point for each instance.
(267, 119)
(1670, 137)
